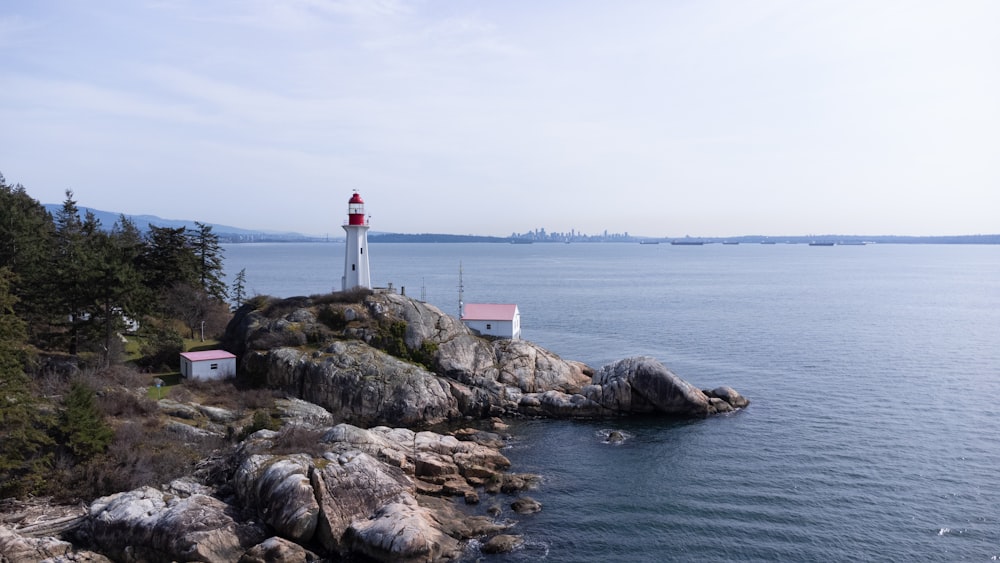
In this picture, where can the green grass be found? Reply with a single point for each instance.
(169, 380)
(196, 345)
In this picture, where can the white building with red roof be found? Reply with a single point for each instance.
(208, 364)
(493, 319)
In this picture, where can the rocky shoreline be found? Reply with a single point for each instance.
(397, 361)
(355, 469)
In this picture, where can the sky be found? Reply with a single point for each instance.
(656, 118)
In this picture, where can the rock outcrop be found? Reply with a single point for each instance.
(15, 547)
(362, 384)
(396, 361)
(634, 386)
(149, 525)
(384, 493)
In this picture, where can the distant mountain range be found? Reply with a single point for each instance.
(231, 234)
(226, 233)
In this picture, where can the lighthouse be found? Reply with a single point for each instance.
(356, 273)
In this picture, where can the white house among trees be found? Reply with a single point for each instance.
(493, 319)
(208, 364)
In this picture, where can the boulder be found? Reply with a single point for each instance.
(642, 384)
(148, 525)
(353, 486)
(402, 531)
(526, 505)
(217, 414)
(532, 369)
(503, 543)
(729, 395)
(278, 550)
(302, 412)
(14, 547)
(280, 490)
(424, 322)
(362, 385)
(366, 491)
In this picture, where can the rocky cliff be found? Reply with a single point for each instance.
(389, 359)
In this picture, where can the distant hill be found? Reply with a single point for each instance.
(226, 233)
(231, 234)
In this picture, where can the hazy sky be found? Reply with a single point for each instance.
(660, 118)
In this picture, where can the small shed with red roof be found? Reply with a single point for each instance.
(493, 319)
(208, 364)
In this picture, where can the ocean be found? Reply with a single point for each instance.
(873, 371)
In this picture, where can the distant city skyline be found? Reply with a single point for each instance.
(660, 119)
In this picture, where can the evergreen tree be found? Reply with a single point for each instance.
(130, 244)
(209, 252)
(239, 289)
(24, 457)
(85, 430)
(168, 259)
(70, 282)
(120, 292)
(26, 238)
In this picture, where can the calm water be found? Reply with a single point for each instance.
(874, 372)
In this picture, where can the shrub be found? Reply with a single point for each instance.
(356, 295)
(122, 402)
(391, 338)
(140, 454)
(332, 318)
(282, 307)
(262, 420)
(268, 340)
(226, 394)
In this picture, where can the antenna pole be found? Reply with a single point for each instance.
(461, 291)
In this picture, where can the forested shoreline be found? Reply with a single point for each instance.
(86, 314)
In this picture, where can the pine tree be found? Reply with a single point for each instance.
(168, 259)
(209, 252)
(85, 430)
(239, 289)
(75, 271)
(24, 457)
(119, 289)
(26, 238)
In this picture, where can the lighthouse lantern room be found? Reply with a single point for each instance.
(356, 272)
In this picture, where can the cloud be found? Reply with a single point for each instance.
(746, 112)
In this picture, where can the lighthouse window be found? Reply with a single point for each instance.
(362, 251)
(352, 267)
(489, 326)
(214, 366)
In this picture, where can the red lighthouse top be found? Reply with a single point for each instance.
(356, 210)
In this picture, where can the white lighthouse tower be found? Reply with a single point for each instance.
(356, 273)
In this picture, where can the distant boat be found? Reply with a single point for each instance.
(730, 242)
(649, 242)
(521, 241)
(820, 243)
(768, 242)
(687, 242)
